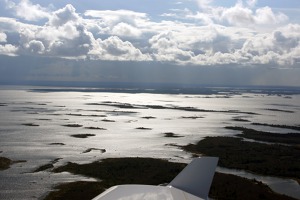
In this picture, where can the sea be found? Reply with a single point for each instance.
(57, 125)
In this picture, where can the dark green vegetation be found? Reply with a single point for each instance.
(81, 115)
(5, 163)
(173, 135)
(192, 117)
(274, 160)
(108, 120)
(127, 170)
(240, 120)
(279, 126)
(191, 109)
(280, 110)
(94, 149)
(153, 172)
(82, 135)
(230, 187)
(57, 143)
(30, 124)
(47, 166)
(149, 117)
(289, 138)
(72, 125)
(143, 128)
(95, 128)
(76, 191)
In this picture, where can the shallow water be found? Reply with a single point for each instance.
(50, 139)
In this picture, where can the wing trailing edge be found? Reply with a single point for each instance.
(196, 178)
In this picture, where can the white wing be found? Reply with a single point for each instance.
(192, 183)
(196, 178)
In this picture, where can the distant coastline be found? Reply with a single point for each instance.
(155, 88)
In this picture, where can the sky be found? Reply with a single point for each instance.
(208, 42)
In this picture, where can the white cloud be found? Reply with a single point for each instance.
(63, 16)
(241, 14)
(35, 46)
(3, 37)
(8, 50)
(238, 15)
(251, 3)
(113, 17)
(265, 16)
(28, 11)
(113, 48)
(211, 36)
(166, 48)
(126, 30)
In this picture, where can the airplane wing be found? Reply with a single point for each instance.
(192, 183)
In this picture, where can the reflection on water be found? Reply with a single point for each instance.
(288, 187)
(60, 114)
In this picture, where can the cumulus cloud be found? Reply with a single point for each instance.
(3, 37)
(63, 16)
(241, 14)
(8, 50)
(126, 30)
(113, 48)
(113, 17)
(213, 35)
(35, 46)
(28, 11)
(166, 48)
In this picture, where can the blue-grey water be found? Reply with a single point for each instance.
(32, 128)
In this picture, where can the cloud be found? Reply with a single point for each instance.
(63, 16)
(28, 11)
(3, 37)
(8, 50)
(241, 14)
(113, 48)
(113, 17)
(213, 35)
(35, 46)
(126, 30)
(166, 48)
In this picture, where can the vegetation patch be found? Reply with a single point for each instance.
(80, 190)
(57, 143)
(234, 153)
(289, 138)
(47, 166)
(231, 187)
(5, 163)
(297, 128)
(127, 170)
(279, 110)
(192, 117)
(95, 128)
(149, 117)
(72, 125)
(115, 171)
(108, 120)
(172, 135)
(143, 128)
(30, 124)
(94, 149)
(82, 135)
(240, 120)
